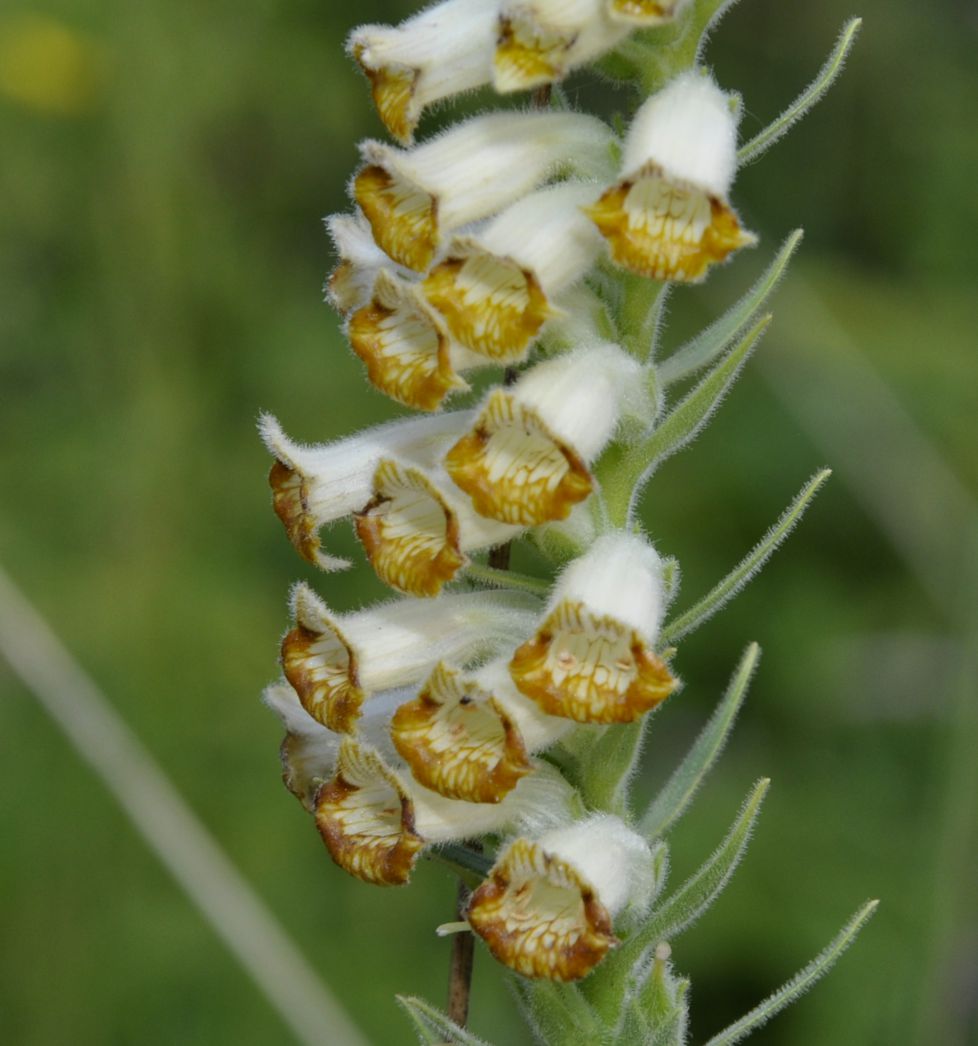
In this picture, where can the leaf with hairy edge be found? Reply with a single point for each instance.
(799, 984)
(671, 803)
(738, 578)
(702, 350)
(557, 1012)
(611, 761)
(435, 1028)
(684, 422)
(808, 98)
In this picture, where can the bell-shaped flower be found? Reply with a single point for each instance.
(376, 822)
(541, 41)
(462, 737)
(439, 52)
(593, 657)
(645, 13)
(316, 485)
(414, 198)
(668, 217)
(526, 458)
(360, 260)
(409, 354)
(308, 751)
(495, 288)
(416, 530)
(547, 908)
(336, 662)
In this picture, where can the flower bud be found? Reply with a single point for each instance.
(546, 909)
(593, 658)
(439, 52)
(475, 169)
(668, 218)
(495, 288)
(525, 460)
(336, 661)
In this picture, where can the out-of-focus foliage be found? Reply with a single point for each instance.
(163, 169)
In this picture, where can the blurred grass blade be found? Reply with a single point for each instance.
(738, 578)
(168, 826)
(807, 100)
(684, 422)
(706, 347)
(671, 803)
(435, 1028)
(799, 984)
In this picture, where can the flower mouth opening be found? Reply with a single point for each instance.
(490, 304)
(515, 469)
(665, 229)
(539, 917)
(402, 215)
(458, 741)
(590, 669)
(409, 533)
(393, 88)
(366, 820)
(290, 495)
(529, 54)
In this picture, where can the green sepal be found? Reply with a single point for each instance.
(557, 1013)
(435, 1028)
(677, 794)
(608, 767)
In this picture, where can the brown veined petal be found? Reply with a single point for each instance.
(322, 667)
(392, 87)
(591, 669)
(490, 304)
(409, 533)
(458, 741)
(529, 55)
(366, 819)
(406, 354)
(289, 499)
(404, 217)
(667, 230)
(539, 917)
(514, 468)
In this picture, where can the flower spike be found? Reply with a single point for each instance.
(546, 909)
(412, 199)
(592, 659)
(669, 218)
(316, 485)
(416, 531)
(525, 460)
(442, 51)
(495, 288)
(336, 661)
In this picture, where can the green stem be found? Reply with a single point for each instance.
(506, 579)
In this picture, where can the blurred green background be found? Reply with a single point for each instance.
(163, 169)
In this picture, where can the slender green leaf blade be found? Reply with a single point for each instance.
(808, 98)
(703, 349)
(671, 803)
(799, 984)
(740, 576)
(610, 765)
(435, 1028)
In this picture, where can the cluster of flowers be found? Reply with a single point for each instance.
(421, 721)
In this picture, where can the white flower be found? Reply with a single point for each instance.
(375, 822)
(336, 662)
(495, 288)
(541, 41)
(593, 658)
(548, 906)
(315, 485)
(352, 281)
(439, 52)
(668, 217)
(409, 354)
(525, 460)
(469, 735)
(646, 13)
(412, 199)
(416, 529)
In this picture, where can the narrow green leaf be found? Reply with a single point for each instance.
(799, 984)
(435, 1028)
(461, 858)
(610, 764)
(557, 1012)
(684, 422)
(703, 349)
(808, 98)
(507, 579)
(739, 577)
(671, 803)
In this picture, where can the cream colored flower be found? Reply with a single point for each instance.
(360, 260)
(645, 13)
